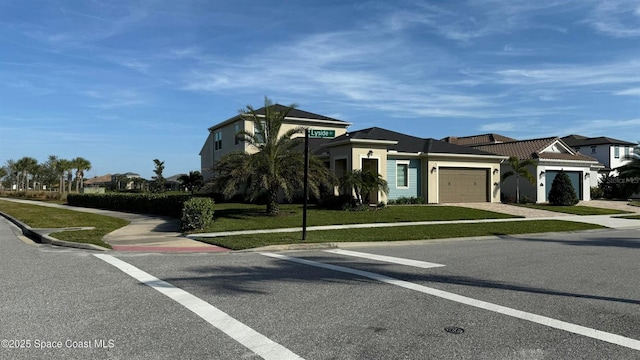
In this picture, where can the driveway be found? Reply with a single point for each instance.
(511, 210)
(535, 213)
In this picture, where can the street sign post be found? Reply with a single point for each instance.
(316, 134)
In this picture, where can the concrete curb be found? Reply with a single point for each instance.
(46, 239)
(334, 245)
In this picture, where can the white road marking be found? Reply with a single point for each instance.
(539, 319)
(254, 341)
(390, 259)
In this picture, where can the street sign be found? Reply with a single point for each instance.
(324, 134)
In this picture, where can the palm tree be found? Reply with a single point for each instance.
(158, 180)
(191, 181)
(25, 166)
(364, 183)
(519, 169)
(81, 165)
(63, 166)
(278, 165)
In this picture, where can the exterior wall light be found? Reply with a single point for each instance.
(370, 153)
(433, 169)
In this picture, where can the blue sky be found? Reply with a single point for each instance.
(124, 82)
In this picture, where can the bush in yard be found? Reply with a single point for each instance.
(562, 192)
(145, 203)
(197, 214)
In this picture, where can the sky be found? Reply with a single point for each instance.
(121, 83)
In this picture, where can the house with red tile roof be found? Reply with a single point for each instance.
(551, 155)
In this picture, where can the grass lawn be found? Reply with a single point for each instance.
(232, 217)
(47, 217)
(575, 210)
(418, 232)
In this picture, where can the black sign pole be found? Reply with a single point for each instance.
(306, 184)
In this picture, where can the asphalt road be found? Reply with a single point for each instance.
(568, 296)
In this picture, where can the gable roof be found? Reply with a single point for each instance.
(533, 149)
(574, 140)
(408, 144)
(482, 139)
(293, 114)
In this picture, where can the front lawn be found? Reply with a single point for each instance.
(47, 217)
(575, 210)
(417, 232)
(232, 217)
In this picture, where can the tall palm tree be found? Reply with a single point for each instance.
(81, 165)
(364, 183)
(64, 166)
(278, 165)
(519, 169)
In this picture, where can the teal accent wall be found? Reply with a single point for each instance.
(415, 179)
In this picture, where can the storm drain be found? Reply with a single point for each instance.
(454, 330)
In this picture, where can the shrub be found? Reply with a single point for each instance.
(403, 200)
(562, 192)
(596, 193)
(197, 214)
(338, 202)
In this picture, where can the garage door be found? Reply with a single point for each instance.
(576, 181)
(463, 185)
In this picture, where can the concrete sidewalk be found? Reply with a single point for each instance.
(152, 233)
(144, 233)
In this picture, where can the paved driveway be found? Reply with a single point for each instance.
(510, 209)
(535, 213)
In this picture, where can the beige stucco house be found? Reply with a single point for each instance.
(222, 136)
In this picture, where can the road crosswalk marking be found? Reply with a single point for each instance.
(539, 319)
(253, 340)
(389, 259)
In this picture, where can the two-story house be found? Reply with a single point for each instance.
(222, 136)
(608, 151)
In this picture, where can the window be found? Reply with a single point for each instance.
(236, 133)
(626, 150)
(593, 149)
(616, 152)
(217, 144)
(260, 137)
(402, 175)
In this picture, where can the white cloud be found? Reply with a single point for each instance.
(631, 91)
(617, 18)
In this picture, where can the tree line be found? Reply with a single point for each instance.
(28, 174)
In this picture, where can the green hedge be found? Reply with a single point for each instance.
(197, 214)
(145, 203)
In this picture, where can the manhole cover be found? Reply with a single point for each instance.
(454, 330)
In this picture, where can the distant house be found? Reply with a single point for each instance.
(99, 181)
(128, 181)
(551, 156)
(172, 182)
(222, 136)
(610, 152)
